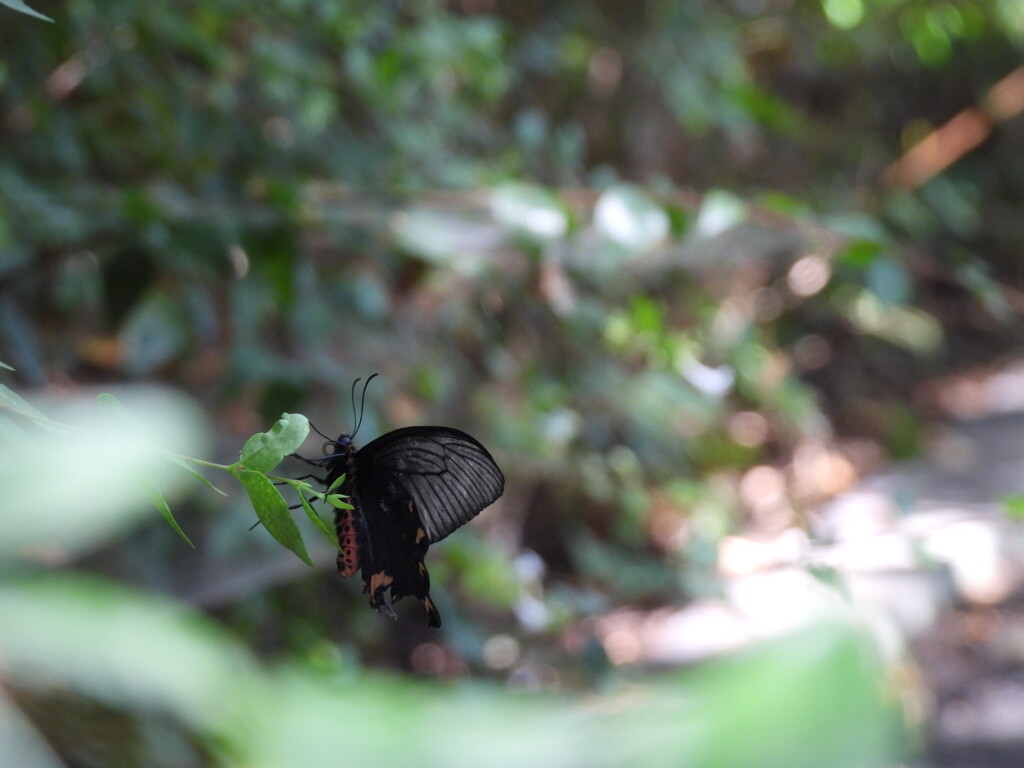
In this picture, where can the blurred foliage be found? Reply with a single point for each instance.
(638, 249)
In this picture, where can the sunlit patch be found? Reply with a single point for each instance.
(742, 555)
(808, 275)
(764, 493)
(748, 428)
(697, 632)
(501, 651)
(622, 646)
(820, 471)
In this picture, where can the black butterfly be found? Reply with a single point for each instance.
(409, 488)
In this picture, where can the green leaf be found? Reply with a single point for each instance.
(10, 431)
(264, 451)
(18, 5)
(719, 212)
(114, 406)
(20, 742)
(107, 464)
(15, 403)
(337, 501)
(889, 280)
(272, 510)
(530, 210)
(198, 475)
(60, 629)
(336, 483)
(5, 366)
(626, 216)
(318, 522)
(161, 504)
(1014, 505)
(859, 254)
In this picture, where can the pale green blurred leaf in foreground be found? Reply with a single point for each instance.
(63, 492)
(18, 5)
(19, 743)
(809, 700)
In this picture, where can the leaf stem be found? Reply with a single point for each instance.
(201, 462)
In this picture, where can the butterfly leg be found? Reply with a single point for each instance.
(295, 506)
(313, 462)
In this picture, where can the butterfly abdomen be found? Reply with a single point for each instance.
(347, 522)
(348, 542)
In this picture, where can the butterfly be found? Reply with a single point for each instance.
(409, 488)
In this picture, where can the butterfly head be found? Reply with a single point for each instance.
(340, 446)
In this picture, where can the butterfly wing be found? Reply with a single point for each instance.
(394, 544)
(409, 488)
(448, 475)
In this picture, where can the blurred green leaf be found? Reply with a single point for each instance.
(719, 211)
(114, 406)
(907, 327)
(273, 512)
(976, 278)
(20, 743)
(442, 238)
(10, 431)
(137, 651)
(626, 216)
(161, 504)
(530, 210)
(265, 450)
(888, 279)
(123, 648)
(124, 416)
(845, 14)
(18, 5)
(859, 253)
(105, 465)
(17, 405)
(1014, 505)
(808, 728)
(780, 202)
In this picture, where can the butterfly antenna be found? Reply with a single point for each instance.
(362, 404)
(352, 399)
(325, 437)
